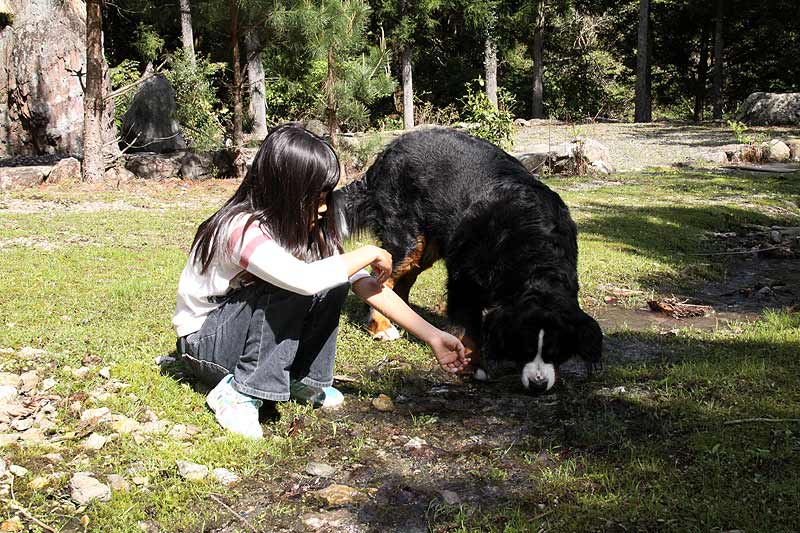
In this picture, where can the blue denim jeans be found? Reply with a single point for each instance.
(266, 336)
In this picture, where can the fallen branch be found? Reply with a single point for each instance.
(676, 309)
(768, 420)
(125, 89)
(14, 504)
(234, 513)
(741, 251)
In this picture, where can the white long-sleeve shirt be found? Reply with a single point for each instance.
(258, 254)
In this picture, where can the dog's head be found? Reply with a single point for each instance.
(539, 334)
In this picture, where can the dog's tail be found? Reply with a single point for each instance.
(354, 208)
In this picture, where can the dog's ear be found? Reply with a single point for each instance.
(588, 339)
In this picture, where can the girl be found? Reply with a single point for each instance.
(260, 296)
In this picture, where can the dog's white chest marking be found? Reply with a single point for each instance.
(537, 370)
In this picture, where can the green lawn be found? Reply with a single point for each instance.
(97, 288)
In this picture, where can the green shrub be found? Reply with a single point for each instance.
(121, 75)
(495, 125)
(147, 42)
(199, 111)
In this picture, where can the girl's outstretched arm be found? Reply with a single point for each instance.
(448, 349)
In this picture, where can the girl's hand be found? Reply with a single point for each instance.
(382, 265)
(449, 352)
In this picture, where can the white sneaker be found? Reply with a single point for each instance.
(235, 411)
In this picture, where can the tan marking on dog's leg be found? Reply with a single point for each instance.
(473, 353)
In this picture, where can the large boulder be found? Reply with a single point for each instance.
(794, 149)
(151, 166)
(576, 157)
(764, 109)
(149, 125)
(42, 67)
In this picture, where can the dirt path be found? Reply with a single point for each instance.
(637, 146)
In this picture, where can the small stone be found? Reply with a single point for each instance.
(415, 443)
(338, 520)
(28, 381)
(85, 488)
(163, 360)
(81, 372)
(32, 436)
(449, 497)
(118, 483)
(22, 424)
(155, 426)
(336, 495)
(99, 415)
(8, 438)
(13, 524)
(105, 372)
(138, 438)
(7, 379)
(183, 432)
(320, 470)
(383, 403)
(95, 442)
(26, 352)
(38, 483)
(75, 407)
(225, 476)
(8, 394)
(191, 471)
(776, 236)
(48, 384)
(140, 481)
(54, 458)
(19, 471)
(125, 425)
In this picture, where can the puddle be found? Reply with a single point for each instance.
(612, 318)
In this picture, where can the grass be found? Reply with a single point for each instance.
(658, 456)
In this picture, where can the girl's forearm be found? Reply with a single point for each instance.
(359, 258)
(389, 304)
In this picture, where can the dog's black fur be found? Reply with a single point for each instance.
(508, 242)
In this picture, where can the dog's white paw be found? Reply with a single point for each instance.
(391, 334)
(481, 375)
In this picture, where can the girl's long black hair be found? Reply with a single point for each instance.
(281, 192)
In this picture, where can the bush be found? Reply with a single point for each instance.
(123, 74)
(495, 125)
(199, 110)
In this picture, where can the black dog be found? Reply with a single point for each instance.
(508, 242)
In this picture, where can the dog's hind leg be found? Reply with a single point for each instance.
(404, 275)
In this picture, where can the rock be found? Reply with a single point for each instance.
(776, 151)
(8, 438)
(415, 443)
(32, 436)
(85, 488)
(383, 403)
(163, 360)
(95, 442)
(157, 426)
(8, 394)
(81, 372)
(99, 415)
(140, 481)
(597, 155)
(794, 148)
(118, 483)
(22, 424)
(320, 470)
(225, 476)
(449, 497)
(764, 109)
(28, 381)
(18, 177)
(48, 384)
(183, 432)
(105, 372)
(191, 471)
(18, 471)
(719, 158)
(154, 166)
(38, 483)
(7, 379)
(13, 524)
(124, 425)
(337, 495)
(54, 458)
(149, 124)
(568, 158)
(118, 175)
(41, 97)
(316, 127)
(66, 171)
(338, 520)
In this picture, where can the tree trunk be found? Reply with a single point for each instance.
(187, 36)
(93, 106)
(237, 76)
(702, 77)
(490, 62)
(408, 89)
(330, 111)
(643, 111)
(255, 78)
(537, 109)
(718, 45)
